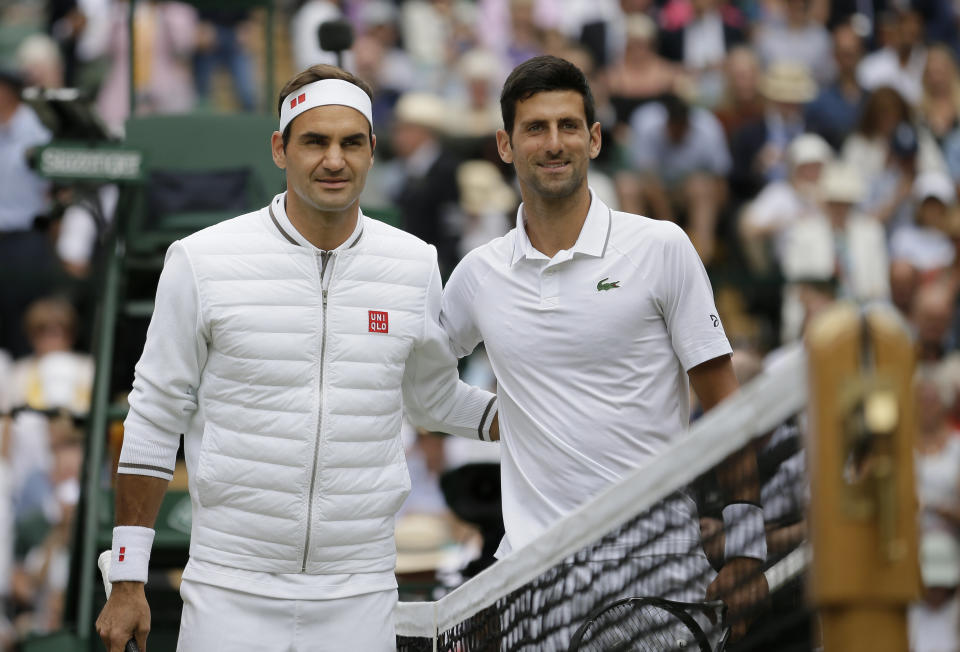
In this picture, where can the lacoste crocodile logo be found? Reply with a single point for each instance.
(603, 285)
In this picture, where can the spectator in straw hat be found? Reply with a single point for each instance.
(837, 247)
(759, 148)
(428, 194)
(767, 219)
(486, 202)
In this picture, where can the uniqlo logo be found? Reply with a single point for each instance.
(123, 551)
(379, 321)
(298, 100)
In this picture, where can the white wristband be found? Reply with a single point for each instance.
(744, 532)
(130, 555)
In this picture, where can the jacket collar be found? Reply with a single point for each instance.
(278, 215)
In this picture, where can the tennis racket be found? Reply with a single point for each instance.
(103, 563)
(658, 625)
(648, 625)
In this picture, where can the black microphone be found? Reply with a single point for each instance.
(336, 36)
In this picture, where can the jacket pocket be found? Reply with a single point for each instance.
(203, 480)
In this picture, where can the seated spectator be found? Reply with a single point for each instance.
(223, 42)
(682, 159)
(26, 259)
(900, 63)
(866, 148)
(931, 315)
(478, 110)
(487, 204)
(799, 39)
(835, 111)
(427, 193)
(54, 376)
(641, 74)
(840, 245)
(766, 221)
(940, 103)
(741, 102)
(924, 243)
(759, 148)
(934, 621)
(165, 36)
(701, 44)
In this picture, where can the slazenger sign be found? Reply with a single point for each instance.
(112, 164)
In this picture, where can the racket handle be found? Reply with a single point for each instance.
(131, 646)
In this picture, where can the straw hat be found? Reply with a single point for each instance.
(841, 182)
(482, 188)
(423, 109)
(640, 26)
(808, 148)
(788, 82)
(423, 542)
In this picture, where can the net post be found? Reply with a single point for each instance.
(865, 567)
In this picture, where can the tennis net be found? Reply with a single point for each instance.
(629, 570)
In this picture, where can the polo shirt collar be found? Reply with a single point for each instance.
(278, 215)
(592, 240)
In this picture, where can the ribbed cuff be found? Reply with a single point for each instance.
(486, 421)
(130, 554)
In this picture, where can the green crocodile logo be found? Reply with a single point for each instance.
(603, 285)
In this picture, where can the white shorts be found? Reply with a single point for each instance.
(223, 620)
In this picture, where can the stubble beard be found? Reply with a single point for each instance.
(559, 189)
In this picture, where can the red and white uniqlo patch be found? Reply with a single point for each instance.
(300, 99)
(379, 322)
(123, 551)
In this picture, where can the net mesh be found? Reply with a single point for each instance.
(657, 534)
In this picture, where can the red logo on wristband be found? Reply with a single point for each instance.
(123, 551)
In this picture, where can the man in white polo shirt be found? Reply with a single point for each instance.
(594, 321)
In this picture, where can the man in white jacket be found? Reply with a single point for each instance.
(285, 345)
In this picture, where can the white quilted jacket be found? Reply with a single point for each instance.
(288, 369)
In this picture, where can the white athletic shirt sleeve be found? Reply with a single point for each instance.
(685, 297)
(434, 397)
(164, 395)
(456, 315)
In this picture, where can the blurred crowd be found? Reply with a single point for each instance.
(810, 149)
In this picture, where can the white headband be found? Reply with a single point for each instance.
(324, 93)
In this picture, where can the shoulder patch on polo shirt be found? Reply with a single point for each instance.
(603, 285)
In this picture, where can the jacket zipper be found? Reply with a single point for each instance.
(324, 257)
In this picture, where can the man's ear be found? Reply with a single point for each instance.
(278, 151)
(373, 145)
(504, 146)
(595, 140)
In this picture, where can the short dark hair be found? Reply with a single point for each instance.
(315, 73)
(540, 74)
